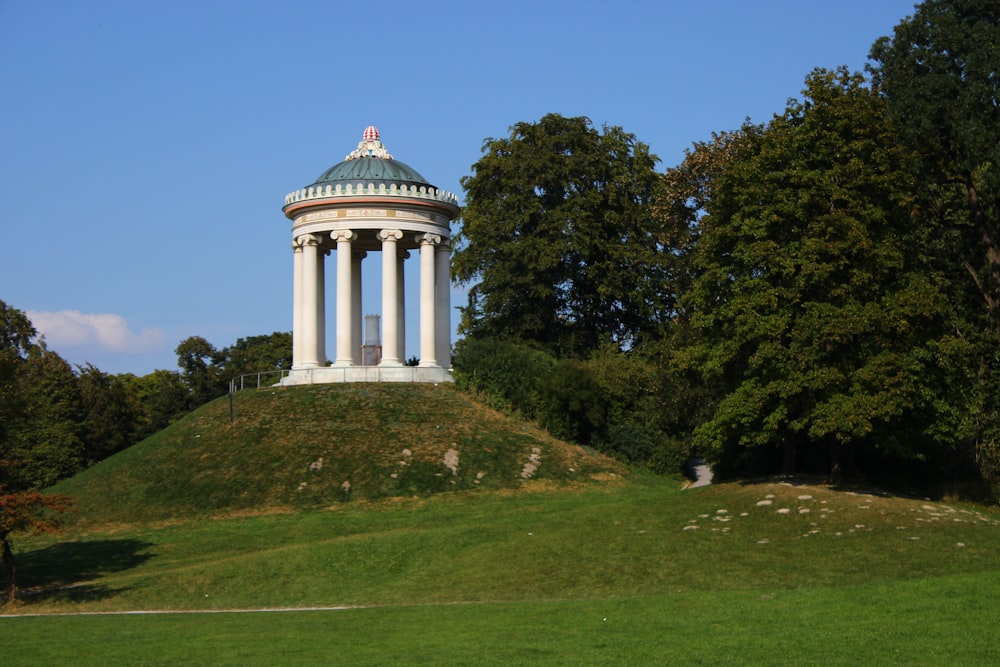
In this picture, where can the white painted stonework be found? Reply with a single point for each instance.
(350, 221)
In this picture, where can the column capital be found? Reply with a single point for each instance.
(358, 255)
(305, 239)
(390, 235)
(428, 239)
(339, 235)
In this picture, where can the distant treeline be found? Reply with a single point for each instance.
(56, 420)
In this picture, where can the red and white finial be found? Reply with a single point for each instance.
(369, 146)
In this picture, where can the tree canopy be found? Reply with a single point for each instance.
(810, 305)
(939, 73)
(557, 242)
(38, 439)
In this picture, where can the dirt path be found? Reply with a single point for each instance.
(702, 474)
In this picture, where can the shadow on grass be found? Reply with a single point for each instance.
(67, 571)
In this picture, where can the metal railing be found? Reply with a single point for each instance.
(262, 380)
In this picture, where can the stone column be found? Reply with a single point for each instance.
(344, 291)
(321, 307)
(401, 305)
(390, 298)
(428, 293)
(296, 304)
(356, 315)
(442, 266)
(310, 307)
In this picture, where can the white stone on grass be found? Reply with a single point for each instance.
(451, 461)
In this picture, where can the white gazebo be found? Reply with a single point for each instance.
(370, 202)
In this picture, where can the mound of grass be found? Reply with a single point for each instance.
(638, 572)
(314, 446)
(641, 537)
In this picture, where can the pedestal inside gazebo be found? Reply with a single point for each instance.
(370, 203)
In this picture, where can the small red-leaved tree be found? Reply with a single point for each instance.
(25, 512)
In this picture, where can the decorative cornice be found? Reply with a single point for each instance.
(371, 190)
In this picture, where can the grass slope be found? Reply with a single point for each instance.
(302, 447)
(768, 573)
(508, 570)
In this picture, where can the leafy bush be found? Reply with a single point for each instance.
(642, 443)
(569, 403)
(503, 373)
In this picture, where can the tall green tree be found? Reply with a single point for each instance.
(21, 508)
(46, 438)
(812, 306)
(199, 363)
(112, 413)
(558, 241)
(684, 195)
(17, 340)
(41, 414)
(162, 397)
(257, 354)
(940, 75)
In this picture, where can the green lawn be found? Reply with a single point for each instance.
(765, 573)
(949, 620)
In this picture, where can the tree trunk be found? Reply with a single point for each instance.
(788, 460)
(10, 590)
(987, 229)
(850, 469)
(836, 469)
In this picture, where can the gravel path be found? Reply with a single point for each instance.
(702, 474)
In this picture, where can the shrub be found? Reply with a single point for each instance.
(502, 372)
(569, 404)
(642, 443)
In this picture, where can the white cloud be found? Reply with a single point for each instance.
(104, 331)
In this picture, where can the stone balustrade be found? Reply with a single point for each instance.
(370, 190)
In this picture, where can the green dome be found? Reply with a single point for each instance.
(369, 169)
(371, 163)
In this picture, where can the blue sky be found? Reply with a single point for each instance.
(146, 148)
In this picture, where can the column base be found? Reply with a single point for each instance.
(343, 374)
(307, 366)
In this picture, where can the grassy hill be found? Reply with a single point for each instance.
(313, 446)
(559, 567)
(638, 572)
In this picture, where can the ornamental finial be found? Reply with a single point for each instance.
(369, 146)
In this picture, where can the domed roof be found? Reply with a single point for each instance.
(370, 162)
